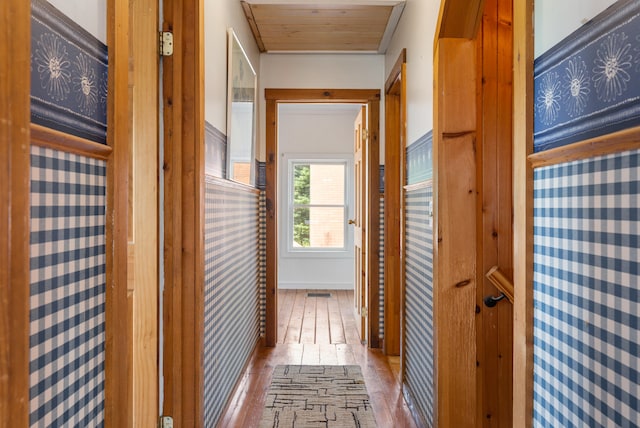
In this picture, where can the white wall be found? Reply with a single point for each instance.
(554, 20)
(219, 15)
(89, 14)
(314, 130)
(415, 32)
(330, 71)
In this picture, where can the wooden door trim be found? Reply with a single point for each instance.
(14, 215)
(395, 166)
(118, 324)
(183, 304)
(455, 230)
(273, 97)
(143, 210)
(523, 213)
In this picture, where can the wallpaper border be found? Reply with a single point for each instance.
(215, 151)
(72, 97)
(420, 159)
(578, 96)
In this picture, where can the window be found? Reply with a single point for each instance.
(318, 208)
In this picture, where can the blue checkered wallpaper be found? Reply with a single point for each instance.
(67, 304)
(587, 293)
(232, 290)
(381, 271)
(262, 252)
(419, 350)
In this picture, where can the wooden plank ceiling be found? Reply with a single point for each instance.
(323, 25)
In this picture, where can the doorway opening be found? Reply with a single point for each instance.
(294, 221)
(319, 226)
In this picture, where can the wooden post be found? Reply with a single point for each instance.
(455, 187)
(118, 330)
(15, 29)
(523, 213)
(143, 211)
(184, 213)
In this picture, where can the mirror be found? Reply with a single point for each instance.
(241, 113)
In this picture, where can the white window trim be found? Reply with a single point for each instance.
(286, 206)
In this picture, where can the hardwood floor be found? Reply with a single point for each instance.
(319, 330)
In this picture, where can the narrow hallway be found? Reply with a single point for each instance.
(319, 331)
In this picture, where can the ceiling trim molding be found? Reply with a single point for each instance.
(396, 13)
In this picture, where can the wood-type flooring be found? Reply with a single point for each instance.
(319, 330)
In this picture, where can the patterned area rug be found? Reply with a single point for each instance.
(317, 396)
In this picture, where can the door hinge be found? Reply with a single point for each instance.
(364, 312)
(165, 422)
(365, 134)
(166, 43)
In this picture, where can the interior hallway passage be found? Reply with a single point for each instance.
(319, 330)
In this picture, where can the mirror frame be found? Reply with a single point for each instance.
(233, 75)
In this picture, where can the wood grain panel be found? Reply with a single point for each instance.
(14, 218)
(455, 202)
(459, 19)
(282, 27)
(184, 213)
(495, 333)
(143, 246)
(118, 328)
(523, 213)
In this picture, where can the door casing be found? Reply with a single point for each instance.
(371, 97)
(395, 160)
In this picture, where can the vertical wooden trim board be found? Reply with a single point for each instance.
(271, 191)
(143, 210)
(523, 213)
(455, 187)
(395, 149)
(14, 214)
(118, 366)
(494, 211)
(184, 213)
(373, 222)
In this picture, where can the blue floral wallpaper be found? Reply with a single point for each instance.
(68, 75)
(589, 84)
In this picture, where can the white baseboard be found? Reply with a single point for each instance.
(315, 285)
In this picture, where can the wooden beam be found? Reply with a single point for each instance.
(455, 188)
(523, 213)
(459, 19)
(322, 95)
(15, 29)
(118, 330)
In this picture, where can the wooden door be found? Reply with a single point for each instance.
(359, 222)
